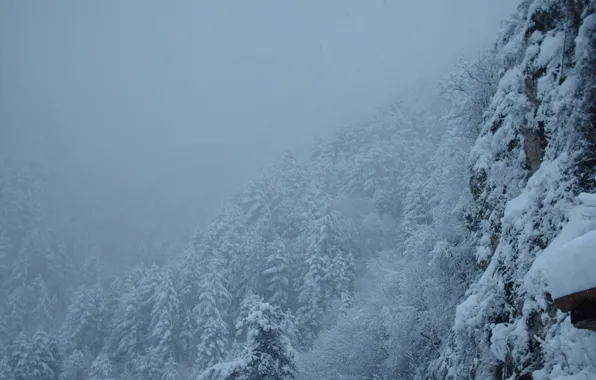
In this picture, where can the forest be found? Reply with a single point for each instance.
(406, 246)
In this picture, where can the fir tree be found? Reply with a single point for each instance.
(19, 353)
(170, 371)
(320, 284)
(268, 354)
(247, 303)
(101, 368)
(43, 360)
(74, 367)
(42, 312)
(210, 315)
(186, 337)
(6, 373)
(85, 320)
(163, 329)
(277, 274)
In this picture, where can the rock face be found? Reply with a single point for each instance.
(535, 152)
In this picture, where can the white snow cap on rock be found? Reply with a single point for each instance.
(569, 262)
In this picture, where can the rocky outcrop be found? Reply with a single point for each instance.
(535, 152)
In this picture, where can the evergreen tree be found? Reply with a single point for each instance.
(325, 250)
(101, 368)
(43, 360)
(42, 312)
(74, 367)
(271, 355)
(170, 371)
(268, 354)
(131, 327)
(163, 329)
(149, 366)
(19, 353)
(85, 320)
(186, 337)
(211, 314)
(126, 336)
(246, 305)
(17, 316)
(6, 372)
(277, 274)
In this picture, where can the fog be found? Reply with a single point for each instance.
(149, 113)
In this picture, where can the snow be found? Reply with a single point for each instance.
(586, 374)
(499, 340)
(583, 38)
(568, 262)
(517, 205)
(223, 370)
(550, 47)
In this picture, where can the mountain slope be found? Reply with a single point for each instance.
(534, 154)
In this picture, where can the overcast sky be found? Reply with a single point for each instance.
(178, 103)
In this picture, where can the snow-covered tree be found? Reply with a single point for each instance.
(164, 316)
(6, 373)
(277, 274)
(170, 371)
(129, 338)
(149, 366)
(43, 358)
(186, 334)
(84, 327)
(101, 368)
(325, 251)
(268, 354)
(74, 367)
(211, 314)
(18, 358)
(247, 303)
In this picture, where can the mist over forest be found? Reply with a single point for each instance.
(298, 190)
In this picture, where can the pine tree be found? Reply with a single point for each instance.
(189, 277)
(74, 367)
(17, 314)
(126, 334)
(277, 274)
(101, 368)
(6, 373)
(163, 329)
(43, 361)
(312, 299)
(19, 353)
(85, 320)
(186, 335)
(270, 354)
(130, 332)
(210, 314)
(246, 305)
(150, 366)
(42, 312)
(324, 248)
(170, 371)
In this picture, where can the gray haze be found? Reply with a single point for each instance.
(149, 113)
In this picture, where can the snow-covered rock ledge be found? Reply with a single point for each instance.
(569, 263)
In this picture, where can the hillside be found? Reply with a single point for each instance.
(416, 245)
